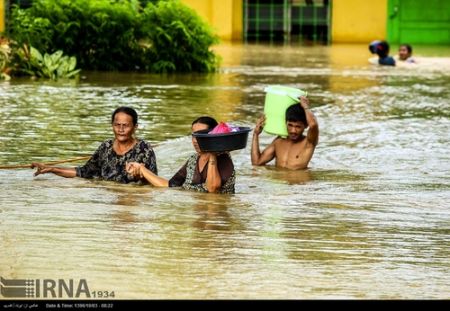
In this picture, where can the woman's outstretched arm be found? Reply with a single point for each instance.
(139, 169)
(68, 172)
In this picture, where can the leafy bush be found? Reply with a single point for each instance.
(179, 39)
(166, 36)
(53, 66)
(26, 27)
(99, 33)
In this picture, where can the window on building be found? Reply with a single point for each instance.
(287, 20)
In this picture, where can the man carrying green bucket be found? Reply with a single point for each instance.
(291, 149)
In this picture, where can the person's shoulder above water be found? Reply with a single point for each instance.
(386, 61)
(107, 144)
(104, 147)
(143, 144)
(408, 61)
(279, 139)
(381, 48)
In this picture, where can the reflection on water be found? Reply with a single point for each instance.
(288, 176)
(212, 211)
(368, 219)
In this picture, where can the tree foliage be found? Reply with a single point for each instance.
(163, 36)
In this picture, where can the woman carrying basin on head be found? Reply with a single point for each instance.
(109, 160)
(203, 171)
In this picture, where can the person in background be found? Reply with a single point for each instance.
(109, 160)
(381, 48)
(295, 151)
(203, 171)
(405, 54)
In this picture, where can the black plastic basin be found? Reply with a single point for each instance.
(223, 142)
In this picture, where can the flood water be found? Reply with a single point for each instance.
(370, 218)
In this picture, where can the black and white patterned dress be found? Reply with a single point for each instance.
(106, 164)
(190, 178)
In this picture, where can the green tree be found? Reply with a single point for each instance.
(163, 36)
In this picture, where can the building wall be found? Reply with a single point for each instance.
(225, 16)
(2, 15)
(238, 19)
(352, 20)
(358, 20)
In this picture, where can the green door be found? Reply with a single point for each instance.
(419, 21)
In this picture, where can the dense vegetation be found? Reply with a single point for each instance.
(151, 36)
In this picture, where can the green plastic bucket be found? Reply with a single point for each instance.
(278, 99)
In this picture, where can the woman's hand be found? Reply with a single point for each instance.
(41, 168)
(138, 170)
(134, 169)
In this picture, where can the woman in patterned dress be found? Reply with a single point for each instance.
(109, 160)
(203, 171)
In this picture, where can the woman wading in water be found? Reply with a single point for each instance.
(203, 171)
(109, 160)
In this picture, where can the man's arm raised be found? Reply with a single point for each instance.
(313, 131)
(258, 157)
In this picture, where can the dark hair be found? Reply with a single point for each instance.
(381, 48)
(129, 111)
(408, 47)
(211, 122)
(295, 113)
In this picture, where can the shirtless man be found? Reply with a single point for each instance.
(295, 151)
